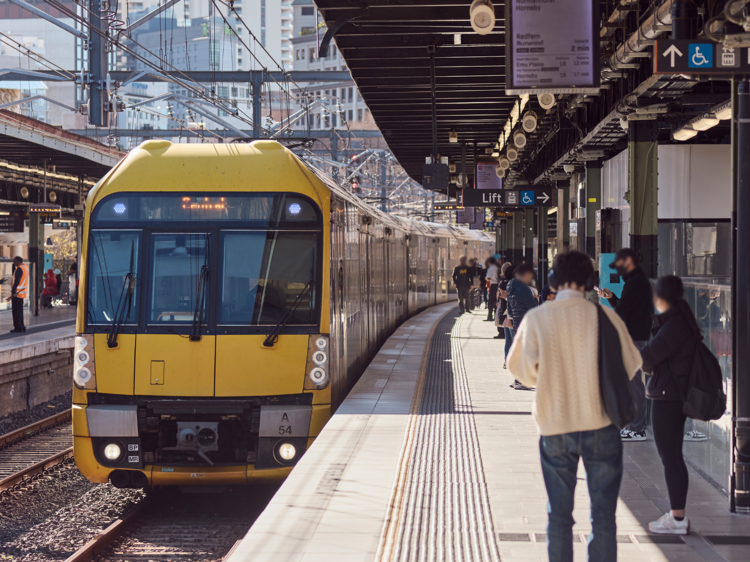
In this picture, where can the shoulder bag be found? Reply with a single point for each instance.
(616, 391)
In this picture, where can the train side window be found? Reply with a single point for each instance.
(114, 258)
(263, 274)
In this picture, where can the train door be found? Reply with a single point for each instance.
(175, 354)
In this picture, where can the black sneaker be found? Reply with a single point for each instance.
(626, 435)
(17, 331)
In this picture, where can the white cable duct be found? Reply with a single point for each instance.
(640, 39)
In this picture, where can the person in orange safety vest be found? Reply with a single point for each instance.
(19, 291)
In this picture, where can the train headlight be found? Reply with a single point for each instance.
(81, 376)
(287, 451)
(84, 363)
(318, 369)
(319, 358)
(318, 376)
(112, 451)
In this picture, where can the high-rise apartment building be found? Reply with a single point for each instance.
(270, 21)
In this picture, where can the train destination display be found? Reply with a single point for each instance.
(552, 46)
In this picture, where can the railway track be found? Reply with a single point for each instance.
(31, 450)
(173, 526)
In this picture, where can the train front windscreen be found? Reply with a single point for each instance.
(238, 263)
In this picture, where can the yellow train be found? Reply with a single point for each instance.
(230, 297)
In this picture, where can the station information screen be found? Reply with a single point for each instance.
(552, 46)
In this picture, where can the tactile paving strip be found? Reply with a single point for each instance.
(445, 513)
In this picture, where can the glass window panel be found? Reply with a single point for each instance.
(176, 264)
(112, 256)
(260, 283)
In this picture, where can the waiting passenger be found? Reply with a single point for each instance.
(507, 271)
(521, 299)
(493, 274)
(635, 307)
(482, 272)
(556, 350)
(669, 358)
(462, 278)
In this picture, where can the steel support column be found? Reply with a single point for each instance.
(740, 295)
(593, 203)
(36, 260)
(97, 104)
(643, 148)
(528, 236)
(257, 85)
(563, 216)
(542, 245)
(517, 236)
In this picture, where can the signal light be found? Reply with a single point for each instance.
(355, 185)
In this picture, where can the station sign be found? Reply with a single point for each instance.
(447, 206)
(46, 211)
(12, 222)
(552, 47)
(522, 198)
(699, 57)
(63, 225)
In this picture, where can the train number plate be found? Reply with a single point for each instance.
(285, 421)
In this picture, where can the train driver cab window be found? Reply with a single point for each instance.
(179, 278)
(265, 275)
(114, 257)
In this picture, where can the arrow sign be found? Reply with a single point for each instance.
(671, 52)
(544, 198)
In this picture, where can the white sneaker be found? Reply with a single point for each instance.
(695, 436)
(627, 435)
(668, 525)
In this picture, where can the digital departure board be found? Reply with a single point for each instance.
(552, 46)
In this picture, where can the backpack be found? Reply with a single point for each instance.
(705, 399)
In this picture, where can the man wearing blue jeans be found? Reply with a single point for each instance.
(555, 350)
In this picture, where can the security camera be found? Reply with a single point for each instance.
(512, 153)
(569, 168)
(503, 163)
(519, 139)
(500, 172)
(547, 101)
(529, 122)
(482, 15)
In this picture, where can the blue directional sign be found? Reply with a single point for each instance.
(701, 55)
(527, 198)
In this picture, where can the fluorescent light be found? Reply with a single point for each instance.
(684, 134)
(724, 113)
(705, 123)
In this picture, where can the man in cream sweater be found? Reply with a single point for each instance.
(556, 351)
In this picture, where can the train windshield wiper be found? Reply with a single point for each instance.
(274, 335)
(124, 304)
(198, 312)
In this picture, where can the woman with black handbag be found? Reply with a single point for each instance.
(669, 357)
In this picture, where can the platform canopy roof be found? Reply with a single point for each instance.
(386, 50)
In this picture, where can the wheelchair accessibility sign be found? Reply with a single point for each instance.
(527, 198)
(700, 55)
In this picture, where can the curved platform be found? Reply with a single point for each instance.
(433, 457)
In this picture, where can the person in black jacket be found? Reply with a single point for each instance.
(520, 300)
(635, 307)
(669, 357)
(463, 278)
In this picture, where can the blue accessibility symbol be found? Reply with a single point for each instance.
(700, 55)
(527, 198)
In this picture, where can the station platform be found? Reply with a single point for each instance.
(50, 324)
(434, 457)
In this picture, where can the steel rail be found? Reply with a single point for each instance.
(35, 469)
(108, 536)
(34, 428)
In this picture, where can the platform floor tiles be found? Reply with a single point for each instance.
(509, 449)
